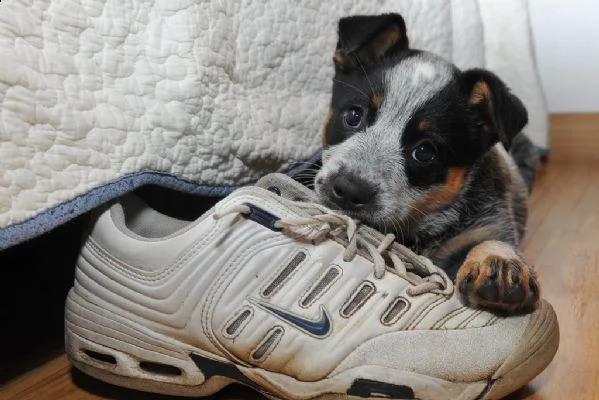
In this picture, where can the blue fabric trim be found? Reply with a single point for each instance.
(64, 212)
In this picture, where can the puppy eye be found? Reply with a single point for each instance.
(424, 153)
(352, 117)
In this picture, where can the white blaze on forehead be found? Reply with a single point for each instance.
(408, 86)
(424, 73)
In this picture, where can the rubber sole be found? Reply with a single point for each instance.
(531, 356)
(115, 350)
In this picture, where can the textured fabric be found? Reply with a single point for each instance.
(99, 97)
(468, 353)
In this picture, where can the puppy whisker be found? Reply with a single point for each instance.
(396, 227)
(309, 175)
(366, 75)
(363, 93)
(414, 208)
(302, 164)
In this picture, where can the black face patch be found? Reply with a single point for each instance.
(444, 126)
(363, 89)
(352, 94)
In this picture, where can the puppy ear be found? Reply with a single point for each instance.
(363, 39)
(502, 113)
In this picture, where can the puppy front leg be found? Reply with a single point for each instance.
(496, 276)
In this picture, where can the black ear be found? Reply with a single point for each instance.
(503, 114)
(365, 38)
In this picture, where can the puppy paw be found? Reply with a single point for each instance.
(495, 276)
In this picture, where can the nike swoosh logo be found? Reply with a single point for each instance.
(320, 327)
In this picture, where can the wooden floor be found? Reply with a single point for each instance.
(563, 243)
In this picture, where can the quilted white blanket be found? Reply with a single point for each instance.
(98, 97)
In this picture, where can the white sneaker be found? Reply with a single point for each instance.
(290, 299)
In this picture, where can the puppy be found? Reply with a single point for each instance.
(415, 146)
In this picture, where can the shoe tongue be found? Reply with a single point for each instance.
(287, 187)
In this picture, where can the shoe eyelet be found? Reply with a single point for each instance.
(275, 190)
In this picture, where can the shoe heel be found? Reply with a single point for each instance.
(108, 347)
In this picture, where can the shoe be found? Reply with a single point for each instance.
(273, 291)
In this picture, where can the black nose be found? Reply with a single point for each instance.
(351, 193)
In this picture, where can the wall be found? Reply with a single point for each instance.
(566, 38)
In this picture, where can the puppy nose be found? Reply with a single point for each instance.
(351, 193)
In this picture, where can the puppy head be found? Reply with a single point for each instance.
(405, 126)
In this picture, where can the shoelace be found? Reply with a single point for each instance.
(329, 222)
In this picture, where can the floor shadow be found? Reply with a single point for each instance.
(36, 277)
(102, 389)
(522, 393)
